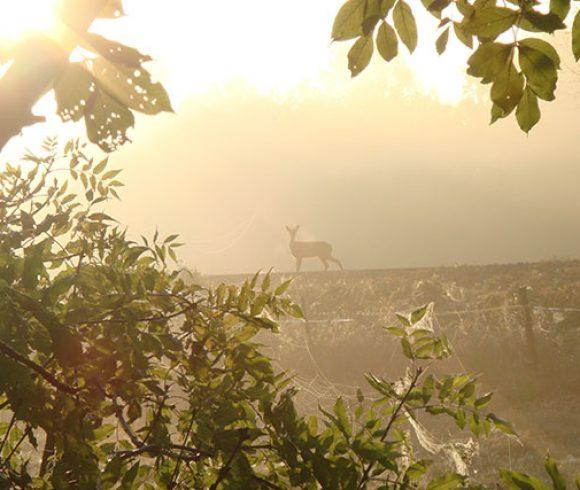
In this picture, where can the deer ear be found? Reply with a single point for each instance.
(296, 228)
(288, 228)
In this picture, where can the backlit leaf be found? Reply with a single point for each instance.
(441, 43)
(576, 36)
(72, 90)
(348, 20)
(490, 22)
(528, 110)
(387, 43)
(360, 55)
(405, 24)
(508, 88)
(540, 71)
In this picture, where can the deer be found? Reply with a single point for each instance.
(305, 250)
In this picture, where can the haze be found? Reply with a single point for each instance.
(396, 168)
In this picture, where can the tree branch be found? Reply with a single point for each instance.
(37, 62)
(37, 368)
(392, 420)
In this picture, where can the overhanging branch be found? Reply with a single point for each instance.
(36, 64)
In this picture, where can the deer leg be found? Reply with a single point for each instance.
(337, 262)
(298, 263)
(324, 262)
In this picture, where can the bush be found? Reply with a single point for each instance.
(128, 377)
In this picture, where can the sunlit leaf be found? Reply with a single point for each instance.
(387, 43)
(348, 20)
(528, 110)
(405, 24)
(441, 43)
(360, 55)
(73, 90)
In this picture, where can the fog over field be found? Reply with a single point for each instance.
(388, 187)
(395, 168)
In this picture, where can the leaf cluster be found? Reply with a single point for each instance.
(521, 70)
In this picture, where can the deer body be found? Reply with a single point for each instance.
(304, 250)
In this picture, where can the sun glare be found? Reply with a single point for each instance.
(283, 50)
(21, 17)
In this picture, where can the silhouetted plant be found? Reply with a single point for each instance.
(115, 373)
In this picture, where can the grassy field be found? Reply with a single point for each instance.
(480, 310)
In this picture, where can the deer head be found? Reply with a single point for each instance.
(292, 231)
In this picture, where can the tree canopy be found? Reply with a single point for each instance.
(511, 52)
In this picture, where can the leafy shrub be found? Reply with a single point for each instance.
(127, 377)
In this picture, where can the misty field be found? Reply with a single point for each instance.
(480, 311)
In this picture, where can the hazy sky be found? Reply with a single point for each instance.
(398, 167)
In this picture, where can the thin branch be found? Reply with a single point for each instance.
(49, 377)
(16, 446)
(394, 416)
(175, 474)
(226, 468)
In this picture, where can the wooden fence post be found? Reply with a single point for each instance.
(528, 324)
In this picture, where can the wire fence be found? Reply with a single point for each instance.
(358, 315)
(320, 387)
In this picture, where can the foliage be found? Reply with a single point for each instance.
(108, 85)
(519, 68)
(129, 378)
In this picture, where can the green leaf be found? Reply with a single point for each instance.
(387, 43)
(540, 71)
(489, 60)
(537, 22)
(341, 416)
(497, 113)
(508, 88)
(482, 401)
(576, 36)
(528, 111)
(108, 121)
(129, 477)
(522, 481)
(407, 350)
(398, 331)
(72, 91)
(405, 24)
(348, 20)
(282, 288)
(33, 266)
(403, 319)
(360, 55)
(542, 46)
(490, 22)
(113, 51)
(503, 425)
(419, 314)
(295, 311)
(132, 87)
(464, 7)
(441, 43)
(101, 166)
(558, 480)
(463, 36)
(449, 481)
(418, 469)
(560, 8)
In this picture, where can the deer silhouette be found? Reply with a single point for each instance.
(305, 250)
